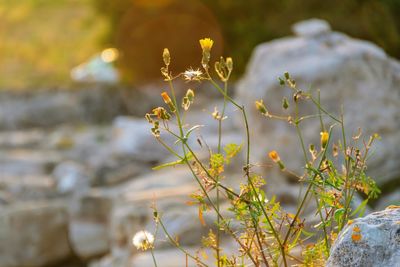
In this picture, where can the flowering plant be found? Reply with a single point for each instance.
(267, 234)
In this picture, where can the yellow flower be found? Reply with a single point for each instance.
(324, 139)
(206, 44)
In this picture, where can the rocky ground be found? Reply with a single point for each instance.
(75, 172)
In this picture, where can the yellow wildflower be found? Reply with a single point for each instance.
(324, 139)
(206, 44)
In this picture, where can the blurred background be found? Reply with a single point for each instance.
(77, 77)
(42, 40)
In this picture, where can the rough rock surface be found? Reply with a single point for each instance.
(349, 72)
(370, 241)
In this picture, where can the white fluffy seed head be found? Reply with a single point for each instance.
(143, 240)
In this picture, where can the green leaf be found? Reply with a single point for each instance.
(169, 164)
(339, 215)
(360, 209)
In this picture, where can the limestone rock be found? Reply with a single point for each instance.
(311, 28)
(71, 177)
(349, 72)
(88, 239)
(370, 241)
(33, 234)
(132, 138)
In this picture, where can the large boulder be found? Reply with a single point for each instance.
(34, 234)
(349, 72)
(370, 241)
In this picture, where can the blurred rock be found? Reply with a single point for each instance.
(27, 162)
(99, 68)
(373, 240)
(33, 234)
(94, 206)
(355, 73)
(392, 198)
(21, 139)
(45, 108)
(115, 172)
(28, 187)
(88, 239)
(311, 28)
(71, 177)
(132, 138)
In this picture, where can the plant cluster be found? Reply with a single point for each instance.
(266, 234)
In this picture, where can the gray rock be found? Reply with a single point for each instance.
(45, 108)
(311, 28)
(71, 177)
(33, 234)
(392, 198)
(88, 239)
(132, 138)
(355, 73)
(370, 241)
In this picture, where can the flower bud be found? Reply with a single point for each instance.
(287, 75)
(261, 107)
(285, 103)
(166, 57)
(168, 101)
(324, 139)
(190, 95)
(274, 156)
(206, 45)
(229, 64)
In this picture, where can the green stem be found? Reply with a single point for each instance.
(176, 244)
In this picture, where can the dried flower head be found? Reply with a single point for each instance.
(143, 240)
(161, 113)
(193, 75)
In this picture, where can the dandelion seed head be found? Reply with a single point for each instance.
(192, 75)
(143, 240)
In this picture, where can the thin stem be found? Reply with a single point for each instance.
(154, 259)
(199, 182)
(176, 244)
(306, 194)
